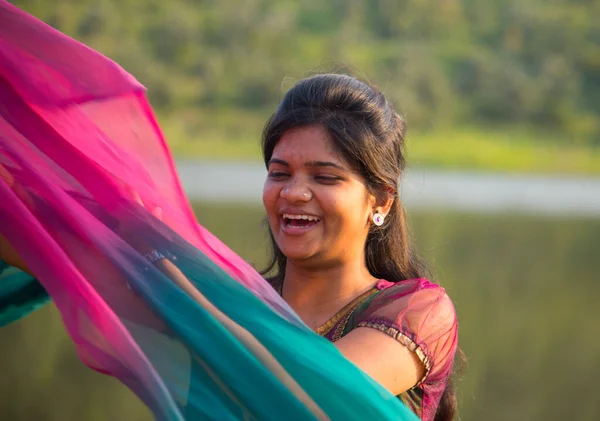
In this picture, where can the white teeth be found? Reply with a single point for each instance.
(305, 217)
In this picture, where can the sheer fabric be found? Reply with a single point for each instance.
(83, 170)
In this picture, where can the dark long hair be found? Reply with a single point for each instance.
(370, 135)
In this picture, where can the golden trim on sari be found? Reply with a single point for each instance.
(405, 340)
(340, 319)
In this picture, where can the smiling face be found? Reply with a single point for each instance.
(318, 208)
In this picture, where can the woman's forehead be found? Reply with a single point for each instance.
(307, 143)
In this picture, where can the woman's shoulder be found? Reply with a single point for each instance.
(416, 309)
(413, 306)
(419, 295)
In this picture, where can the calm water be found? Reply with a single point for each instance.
(525, 289)
(421, 189)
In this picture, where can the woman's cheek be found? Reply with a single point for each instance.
(269, 196)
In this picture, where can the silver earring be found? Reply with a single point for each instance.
(378, 219)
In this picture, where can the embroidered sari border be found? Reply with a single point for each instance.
(395, 332)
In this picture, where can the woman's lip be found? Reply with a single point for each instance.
(297, 212)
(296, 230)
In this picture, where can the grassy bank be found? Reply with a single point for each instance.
(231, 135)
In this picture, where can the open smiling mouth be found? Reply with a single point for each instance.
(299, 221)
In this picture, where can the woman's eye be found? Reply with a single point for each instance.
(327, 179)
(277, 174)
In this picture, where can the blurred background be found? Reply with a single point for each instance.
(502, 99)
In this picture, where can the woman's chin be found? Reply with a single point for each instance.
(300, 254)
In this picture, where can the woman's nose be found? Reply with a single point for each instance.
(296, 192)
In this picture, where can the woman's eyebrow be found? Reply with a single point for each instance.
(278, 161)
(309, 164)
(325, 164)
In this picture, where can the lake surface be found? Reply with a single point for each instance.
(519, 259)
(421, 189)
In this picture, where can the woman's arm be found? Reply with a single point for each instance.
(383, 358)
(251, 343)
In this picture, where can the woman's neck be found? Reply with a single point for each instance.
(316, 294)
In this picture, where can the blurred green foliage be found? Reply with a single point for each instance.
(524, 289)
(458, 149)
(445, 63)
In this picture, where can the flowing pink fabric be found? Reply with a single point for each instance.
(62, 105)
(45, 77)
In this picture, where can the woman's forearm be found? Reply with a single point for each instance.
(260, 352)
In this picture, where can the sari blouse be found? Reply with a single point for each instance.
(420, 315)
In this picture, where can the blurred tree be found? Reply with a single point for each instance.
(444, 62)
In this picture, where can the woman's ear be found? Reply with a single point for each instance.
(384, 204)
(388, 204)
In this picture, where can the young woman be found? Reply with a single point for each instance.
(341, 254)
(156, 301)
